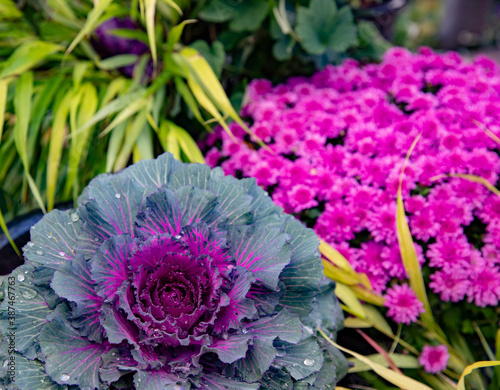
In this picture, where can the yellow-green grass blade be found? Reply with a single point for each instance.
(346, 295)
(497, 345)
(368, 296)
(56, 146)
(79, 73)
(83, 107)
(187, 144)
(338, 275)
(356, 323)
(472, 367)
(142, 8)
(168, 140)
(174, 35)
(3, 225)
(336, 259)
(377, 320)
(205, 102)
(189, 99)
(90, 24)
(112, 107)
(41, 103)
(408, 253)
(26, 57)
(22, 109)
(205, 77)
(437, 382)
(133, 132)
(8, 10)
(3, 101)
(174, 5)
(116, 86)
(150, 10)
(117, 61)
(473, 178)
(125, 114)
(4, 84)
(115, 142)
(143, 148)
(484, 342)
(389, 375)
(62, 8)
(402, 361)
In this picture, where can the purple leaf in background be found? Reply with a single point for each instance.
(109, 44)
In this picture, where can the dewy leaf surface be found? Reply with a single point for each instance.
(258, 359)
(30, 312)
(217, 382)
(71, 359)
(234, 202)
(262, 250)
(153, 173)
(109, 265)
(157, 380)
(284, 325)
(72, 281)
(303, 274)
(168, 212)
(302, 359)
(53, 239)
(31, 375)
(231, 349)
(114, 204)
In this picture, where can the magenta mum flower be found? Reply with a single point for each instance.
(404, 306)
(434, 359)
(344, 134)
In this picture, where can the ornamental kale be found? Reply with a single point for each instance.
(172, 276)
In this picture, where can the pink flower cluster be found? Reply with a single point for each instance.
(338, 141)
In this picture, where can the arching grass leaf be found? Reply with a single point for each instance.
(8, 10)
(83, 107)
(395, 378)
(150, 10)
(407, 249)
(174, 35)
(118, 61)
(470, 368)
(59, 127)
(22, 109)
(90, 24)
(26, 57)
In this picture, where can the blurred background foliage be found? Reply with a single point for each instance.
(88, 87)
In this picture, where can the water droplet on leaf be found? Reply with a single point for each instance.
(280, 353)
(308, 362)
(28, 293)
(31, 245)
(74, 217)
(118, 196)
(64, 377)
(62, 254)
(20, 277)
(244, 330)
(39, 253)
